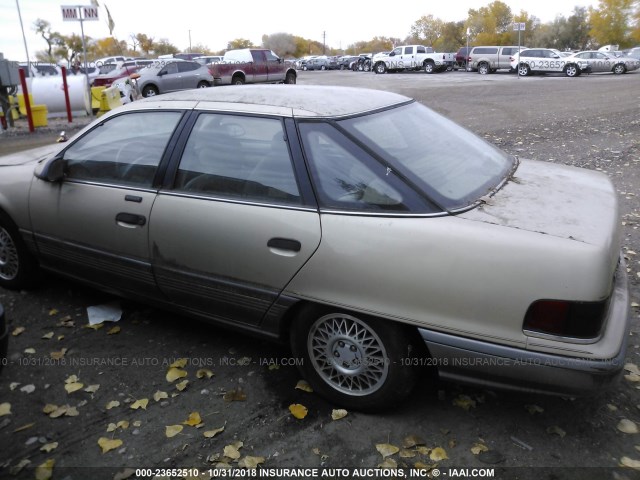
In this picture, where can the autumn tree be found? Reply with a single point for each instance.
(610, 22)
(427, 30)
(491, 25)
(283, 44)
(108, 46)
(145, 42)
(200, 48)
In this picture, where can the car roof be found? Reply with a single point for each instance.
(285, 100)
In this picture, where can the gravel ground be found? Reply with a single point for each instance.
(591, 122)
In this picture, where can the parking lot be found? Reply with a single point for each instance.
(241, 388)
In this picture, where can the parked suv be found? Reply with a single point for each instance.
(546, 60)
(489, 59)
(462, 56)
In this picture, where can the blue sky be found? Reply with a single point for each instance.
(215, 23)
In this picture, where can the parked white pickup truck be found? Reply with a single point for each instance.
(413, 57)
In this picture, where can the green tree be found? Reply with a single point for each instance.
(239, 43)
(490, 25)
(200, 48)
(611, 22)
(164, 47)
(145, 42)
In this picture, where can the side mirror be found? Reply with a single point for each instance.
(161, 73)
(555, 56)
(392, 54)
(53, 171)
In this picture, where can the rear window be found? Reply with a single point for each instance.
(484, 50)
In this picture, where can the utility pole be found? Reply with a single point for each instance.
(324, 47)
(189, 41)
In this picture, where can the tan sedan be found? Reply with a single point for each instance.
(371, 233)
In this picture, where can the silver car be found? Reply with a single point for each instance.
(172, 76)
(371, 233)
(606, 62)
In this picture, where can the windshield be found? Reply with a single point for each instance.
(453, 166)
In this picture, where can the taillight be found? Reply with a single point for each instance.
(566, 319)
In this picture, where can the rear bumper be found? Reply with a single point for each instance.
(476, 362)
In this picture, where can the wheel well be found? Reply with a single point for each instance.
(292, 312)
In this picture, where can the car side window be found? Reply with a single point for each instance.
(421, 49)
(187, 66)
(397, 51)
(238, 157)
(347, 178)
(124, 150)
(408, 50)
(171, 68)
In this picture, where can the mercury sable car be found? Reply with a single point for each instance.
(368, 231)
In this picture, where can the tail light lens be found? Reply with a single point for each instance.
(580, 320)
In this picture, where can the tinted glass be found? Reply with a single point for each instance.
(485, 50)
(238, 157)
(124, 150)
(453, 166)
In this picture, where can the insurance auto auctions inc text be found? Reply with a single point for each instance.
(348, 473)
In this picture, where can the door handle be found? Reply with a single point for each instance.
(130, 219)
(284, 244)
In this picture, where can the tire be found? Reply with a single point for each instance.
(237, 80)
(305, 68)
(483, 68)
(323, 67)
(203, 84)
(18, 268)
(367, 67)
(524, 70)
(429, 67)
(290, 78)
(353, 360)
(150, 91)
(619, 69)
(571, 70)
(380, 67)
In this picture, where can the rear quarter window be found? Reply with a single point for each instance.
(485, 51)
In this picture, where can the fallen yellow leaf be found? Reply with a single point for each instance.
(92, 388)
(213, 433)
(112, 404)
(97, 326)
(404, 453)
(180, 386)
(250, 462)
(338, 414)
(386, 449)
(16, 469)
(304, 386)
(142, 403)
(175, 373)
(388, 463)
(17, 331)
(629, 462)
(5, 409)
(632, 368)
(30, 350)
(73, 387)
(412, 441)
(58, 355)
(44, 471)
(49, 447)
(231, 451)
(111, 427)
(193, 420)
(422, 450)
(533, 409)
(478, 448)
(464, 401)
(627, 426)
(173, 430)
(159, 395)
(107, 444)
(114, 330)
(555, 430)
(24, 427)
(53, 312)
(438, 454)
(298, 411)
(47, 336)
(179, 363)
(204, 372)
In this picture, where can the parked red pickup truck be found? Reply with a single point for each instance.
(252, 65)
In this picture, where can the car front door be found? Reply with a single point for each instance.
(235, 227)
(275, 67)
(94, 224)
(260, 69)
(169, 79)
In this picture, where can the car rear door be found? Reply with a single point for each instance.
(409, 57)
(237, 223)
(94, 224)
